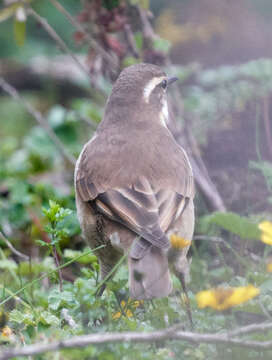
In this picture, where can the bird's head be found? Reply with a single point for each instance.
(139, 95)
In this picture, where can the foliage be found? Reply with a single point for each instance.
(234, 223)
(37, 215)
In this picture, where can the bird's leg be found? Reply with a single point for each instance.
(181, 278)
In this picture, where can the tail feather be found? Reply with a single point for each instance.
(149, 276)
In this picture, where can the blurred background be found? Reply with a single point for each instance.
(55, 76)
(219, 49)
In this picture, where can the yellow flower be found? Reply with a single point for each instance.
(136, 303)
(179, 242)
(266, 229)
(269, 267)
(224, 298)
(6, 332)
(125, 308)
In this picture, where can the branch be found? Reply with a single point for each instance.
(201, 175)
(148, 32)
(131, 41)
(48, 28)
(267, 123)
(92, 43)
(57, 38)
(141, 337)
(12, 248)
(208, 238)
(250, 329)
(39, 118)
(209, 191)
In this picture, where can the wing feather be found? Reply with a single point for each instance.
(146, 205)
(138, 212)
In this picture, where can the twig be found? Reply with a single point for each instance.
(201, 175)
(130, 40)
(148, 32)
(88, 120)
(264, 310)
(17, 298)
(208, 238)
(102, 283)
(248, 329)
(56, 258)
(12, 248)
(94, 44)
(47, 274)
(39, 118)
(57, 39)
(267, 123)
(141, 337)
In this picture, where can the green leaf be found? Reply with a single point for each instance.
(110, 4)
(42, 243)
(59, 299)
(19, 32)
(46, 318)
(87, 259)
(265, 168)
(20, 317)
(129, 60)
(162, 45)
(8, 264)
(142, 3)
(138, 37)
(236, 224)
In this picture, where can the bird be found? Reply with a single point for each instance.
(134, 185)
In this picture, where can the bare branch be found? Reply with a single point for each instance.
(210, 192)
(12, 248)
(130, 40)
(39, 118)
(267, 123)
(92, 43)
(201, 175)
(251, 329)
(55, 255)
(57, 39)
(148, 32)
(141, 337)
(208, 238)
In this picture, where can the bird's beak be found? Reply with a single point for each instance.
(171, 80)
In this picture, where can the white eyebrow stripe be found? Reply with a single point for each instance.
(150, 87)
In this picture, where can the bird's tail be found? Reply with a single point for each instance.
(149, 276)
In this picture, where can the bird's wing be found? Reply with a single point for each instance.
(171, 206)
(136, 207)
(144, 211)
(146, 205)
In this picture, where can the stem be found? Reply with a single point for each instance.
(109, 274)
(55, 254)
(47, 274)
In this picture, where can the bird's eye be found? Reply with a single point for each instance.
(164, 84)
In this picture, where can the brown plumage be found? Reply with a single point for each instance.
(134, 184)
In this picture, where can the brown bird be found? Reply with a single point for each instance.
(134, 185)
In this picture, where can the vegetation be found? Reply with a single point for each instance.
(48, 275)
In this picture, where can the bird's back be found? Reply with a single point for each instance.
(118, 160)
